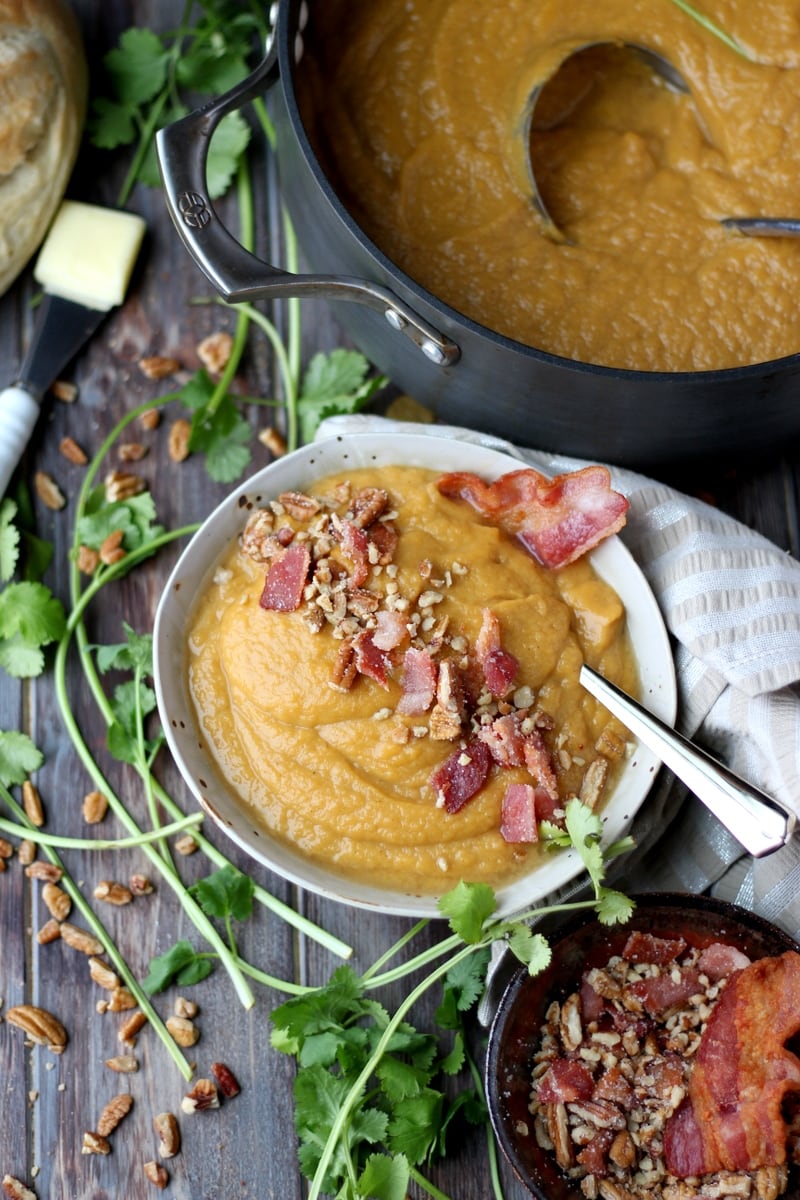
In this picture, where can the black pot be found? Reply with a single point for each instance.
(465, 372)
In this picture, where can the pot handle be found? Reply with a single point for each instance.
(236, 273)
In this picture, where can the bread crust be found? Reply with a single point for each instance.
(43, 90)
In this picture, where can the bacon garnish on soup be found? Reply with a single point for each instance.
(557, 519)
(731, 1119)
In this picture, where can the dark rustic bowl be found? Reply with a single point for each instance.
(585, 943)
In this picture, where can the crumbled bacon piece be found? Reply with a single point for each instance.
(355, 546)
(661, 993)
(390, 630)
(384, 538)
(499, 667)
(565, 1080)
(286, 579)
(646, 947)
(719, 960)
(505, 740)
(418, 682)
(539, 762)
(518, 818)
(557, 520)
(461, 775)
(370, 659)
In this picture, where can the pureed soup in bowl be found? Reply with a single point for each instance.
(374, 687)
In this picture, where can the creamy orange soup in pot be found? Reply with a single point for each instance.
(417, 111)
(348, 717)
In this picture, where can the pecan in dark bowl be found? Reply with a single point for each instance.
(589, 1097)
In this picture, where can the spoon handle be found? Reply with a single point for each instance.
(764, 226)
(757, 821)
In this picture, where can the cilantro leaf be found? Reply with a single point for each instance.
(172, 965)
(464, 984)
(452, 1063)
(222, 437)
(30, 617)
(225, 893)
(19, 758)
(9, 540)
(137, 66)
(136, 651)
(334, 383)
(111, 124)
(414, 1124)
(613, 907)
(585, 829)
(468, 906)
(530, 948)
(385, 1177)
(19, 659)
(228, 144)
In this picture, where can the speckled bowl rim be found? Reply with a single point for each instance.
(194, 569)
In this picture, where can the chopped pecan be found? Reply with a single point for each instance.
(95, 1143)
(345, 669)
(111, 548)
(46, 871)
(122, 485)
(558, 1129)
(66, 392)
(594, 781)
(168, 1130)
(215, 350)
(185, 844)
(113, 893)
(183, 1030)
(570, 1025)
(228, 1083)
(257, 536)
(88, 560)
(158, 366)
(16, 1190)
(50, 932)
(80, 939)
(131, 451)
(130, 1027)
(115, 1111)
(48, 491)
(72, 451)
(40, 1026)
(150, 419)
(156, 1174)
(299, 505)
(122, 1000)
(184, 1007)
(179, 435)
(102, 974)
(368, 504)
(56, 901)
(123, 1064)
(274, 441)
(32, 803)
(94, 808)
(203, 1095)
(140, 885)
(26, 851)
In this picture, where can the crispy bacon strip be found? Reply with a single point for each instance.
(557, 520)
(731, 1119)
(498, 666)
(518, 821)
(461, 775)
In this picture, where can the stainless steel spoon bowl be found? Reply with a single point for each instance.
(758, 822)
(671, 77)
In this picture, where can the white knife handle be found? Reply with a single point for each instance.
(19, 412)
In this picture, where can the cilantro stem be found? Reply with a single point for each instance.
(395, 949)
(426, 1184)
(712, 28)
(278, 985)
(350, 1100)
(42, 838)
(288, 381)
(79, 900)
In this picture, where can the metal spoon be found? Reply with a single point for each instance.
(759, 823)
(749, 226)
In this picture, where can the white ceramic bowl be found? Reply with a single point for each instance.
(196, 567)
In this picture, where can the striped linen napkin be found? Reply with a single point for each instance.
(731, 602)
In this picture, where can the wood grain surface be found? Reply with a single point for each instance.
(247, 1147)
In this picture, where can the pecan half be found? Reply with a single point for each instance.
(32, 803)
(130, 1027)
(180, 432)
(48, 491)
(95, 1143)
(102, 974)
(156, 1174)
(49, 872)
(115, 1111)
(113, 893)
(184, 1031)
(40, 1025)
(72, 451)
(56, 901)
(16, 1190)
(123, 1064)
(94, 808)
(158, 366)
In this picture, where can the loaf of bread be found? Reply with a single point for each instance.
(43, 86)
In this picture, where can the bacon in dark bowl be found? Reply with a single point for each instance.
(653, 1060)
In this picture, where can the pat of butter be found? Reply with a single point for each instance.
(89, 254)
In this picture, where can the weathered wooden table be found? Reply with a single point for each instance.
(47, 1102)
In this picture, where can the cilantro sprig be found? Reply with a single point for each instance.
(371, 1108)
(31, 617)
